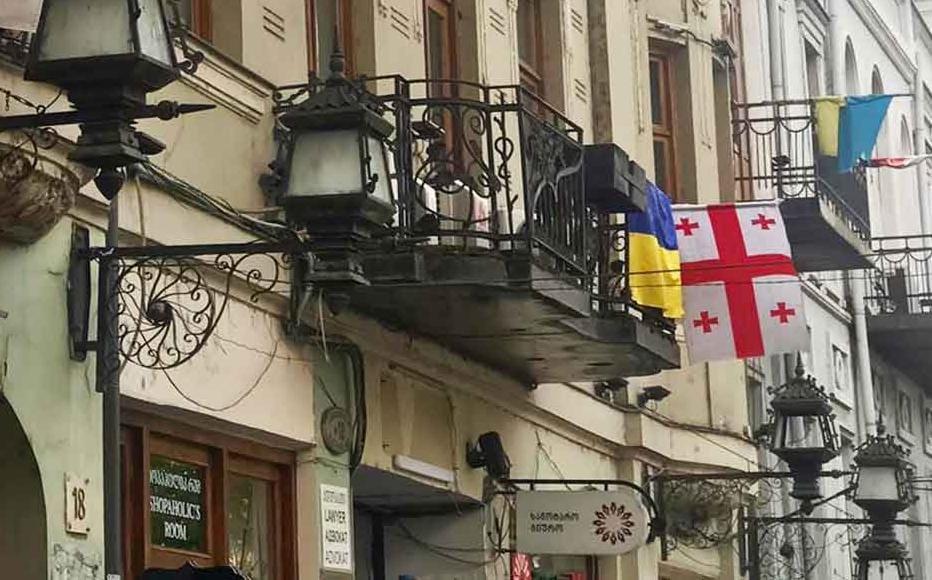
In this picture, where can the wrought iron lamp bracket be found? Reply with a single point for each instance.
(170, 299)
(703, 510)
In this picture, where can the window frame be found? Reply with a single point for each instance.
(665, 132)
(531, 75)
(202, 24)
(447, 10)
(345, 22)
(143, 436)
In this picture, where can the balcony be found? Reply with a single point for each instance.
(826, 213)
(899, 303)
(494, 250)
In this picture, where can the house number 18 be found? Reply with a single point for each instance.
(76, 512)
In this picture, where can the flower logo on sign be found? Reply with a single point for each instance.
(613, 523)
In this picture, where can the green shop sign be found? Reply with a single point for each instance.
(177, 509)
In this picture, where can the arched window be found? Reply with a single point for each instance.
(851, 70)
(876, 82)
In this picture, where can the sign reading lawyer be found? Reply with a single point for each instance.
(581, 522)
(335, 528)
(177, 504)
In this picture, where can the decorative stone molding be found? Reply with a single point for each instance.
(36, 190)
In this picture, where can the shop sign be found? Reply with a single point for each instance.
(336, 538)
(177, 504)
(580, 522)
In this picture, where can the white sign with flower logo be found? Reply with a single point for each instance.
(581, 522)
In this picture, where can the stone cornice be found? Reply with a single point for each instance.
(885, 38)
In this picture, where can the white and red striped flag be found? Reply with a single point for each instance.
(898, 162)
(741, 292)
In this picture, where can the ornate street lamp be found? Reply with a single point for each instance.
(333, 178)
(883, 488)
(85, 43)
(107, 55)
(798, 402)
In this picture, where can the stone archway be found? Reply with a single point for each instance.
(23, 539)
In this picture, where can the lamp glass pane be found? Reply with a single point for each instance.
(877, 483)
(791, 433)
(325, 163)
(153, 33)
(379, 166)
(84, 28)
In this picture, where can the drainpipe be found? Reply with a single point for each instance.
(776, 44)
(919, 139)
(836, 50)
(867, 417)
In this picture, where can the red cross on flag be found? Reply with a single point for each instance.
(741, 293)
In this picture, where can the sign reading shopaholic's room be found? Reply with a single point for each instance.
(580, 522)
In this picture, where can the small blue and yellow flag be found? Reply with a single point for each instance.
(654, 256)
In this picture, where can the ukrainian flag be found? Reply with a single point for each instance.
(654, 257)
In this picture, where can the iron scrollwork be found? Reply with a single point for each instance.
(702, 514)
(170, 306)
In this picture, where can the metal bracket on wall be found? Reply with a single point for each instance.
(79, 296)
(169, 299)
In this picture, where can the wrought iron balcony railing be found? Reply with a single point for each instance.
(901, 280)
(495, 170)
(14, 45)
(484, 167)
(776, 156)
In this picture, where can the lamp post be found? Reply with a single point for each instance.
(882, 488)
(107, 55)
(798, 402)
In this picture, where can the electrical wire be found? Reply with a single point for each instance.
(442, 551)
(239, 399)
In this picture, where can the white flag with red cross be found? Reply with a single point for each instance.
(741, 292)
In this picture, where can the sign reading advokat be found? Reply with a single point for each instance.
(581, 522)
(335, 528)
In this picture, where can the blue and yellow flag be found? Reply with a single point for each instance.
(847, 127)
(654, 257)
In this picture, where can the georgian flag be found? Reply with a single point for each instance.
(741, 292)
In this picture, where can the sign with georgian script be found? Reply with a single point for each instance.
(177, 504)
(335, 530)
(580, 522)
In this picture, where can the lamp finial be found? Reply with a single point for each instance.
(337, 58)
(800, 369)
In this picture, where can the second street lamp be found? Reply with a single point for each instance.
(332, 176)
(798, 402)
(883, 488)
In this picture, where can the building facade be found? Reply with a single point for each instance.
(305, 440)
(807, 49)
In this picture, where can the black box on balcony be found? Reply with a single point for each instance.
(614, 183)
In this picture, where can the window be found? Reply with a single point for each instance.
(196, 14)
(904, 413)
(207, 499)
(813, 70)
(927, 425)
(530, 46)
(840, 369)
(324, 18)
(662, 116)
(440, 40)
(215, 22)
